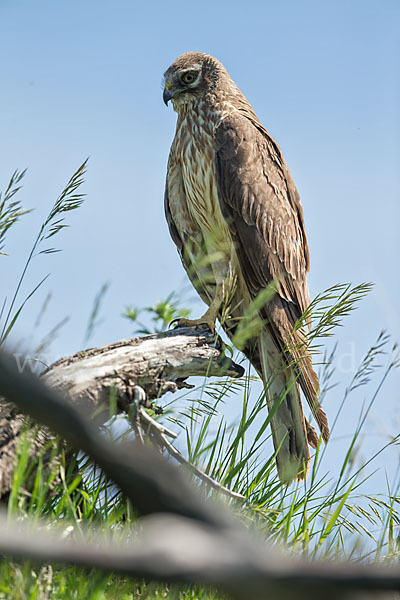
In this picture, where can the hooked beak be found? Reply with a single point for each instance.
(167, 95)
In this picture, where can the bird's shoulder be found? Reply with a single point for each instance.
(254, 180)
(260, 202)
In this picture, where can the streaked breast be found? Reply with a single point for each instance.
(196, 152)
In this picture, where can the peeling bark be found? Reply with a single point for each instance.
(157, 363)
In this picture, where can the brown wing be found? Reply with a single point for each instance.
(261, 204)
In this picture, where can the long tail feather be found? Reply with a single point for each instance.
(289, 430)
(309, 383)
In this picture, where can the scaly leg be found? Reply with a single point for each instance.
(210, 316)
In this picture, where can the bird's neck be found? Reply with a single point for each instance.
(208, 110)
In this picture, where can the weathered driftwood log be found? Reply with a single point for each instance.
(157, 363)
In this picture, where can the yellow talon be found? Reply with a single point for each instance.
(204, 320)
(210, 316)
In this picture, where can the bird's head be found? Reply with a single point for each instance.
(191, 76)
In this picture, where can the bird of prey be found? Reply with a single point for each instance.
(235, 216)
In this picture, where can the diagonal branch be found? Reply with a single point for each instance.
(161, 433)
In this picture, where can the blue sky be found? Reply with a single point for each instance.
(84, 79)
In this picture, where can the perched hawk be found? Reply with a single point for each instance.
(235, 215)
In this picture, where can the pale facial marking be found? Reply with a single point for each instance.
(188, 70)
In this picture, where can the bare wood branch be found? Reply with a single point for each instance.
(161, 428)
(160, 432)
(231, 560)
(157, 363)
(152, 484)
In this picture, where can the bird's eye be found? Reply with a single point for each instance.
(188, 77)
